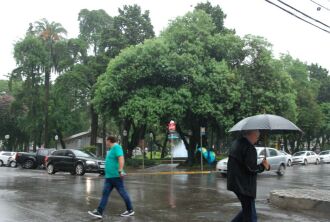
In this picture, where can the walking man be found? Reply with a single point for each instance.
(242, 174)
(114, 165)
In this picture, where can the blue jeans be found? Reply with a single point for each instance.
(109, 184)
(248, 212)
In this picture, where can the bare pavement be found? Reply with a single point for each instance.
(33, 195)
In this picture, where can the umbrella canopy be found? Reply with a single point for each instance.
(207, 154)
(265, 122)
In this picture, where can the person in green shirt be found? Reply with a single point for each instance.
(114, 173)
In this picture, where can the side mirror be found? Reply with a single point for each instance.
(70, 155)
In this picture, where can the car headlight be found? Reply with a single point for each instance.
(91, 162)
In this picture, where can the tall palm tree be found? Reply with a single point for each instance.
(50, 33)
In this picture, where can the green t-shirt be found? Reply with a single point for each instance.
(111, 161)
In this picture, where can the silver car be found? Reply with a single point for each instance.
(288, 158)
(305, 157)
(325, 156)
(275, 158)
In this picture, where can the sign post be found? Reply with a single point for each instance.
(143, 153)
(201, 137)
(172, 129)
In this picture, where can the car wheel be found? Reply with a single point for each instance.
(223, 174)
(28, 164)
(281, 170)
(1, 163)
(13, 164)
(317, 162)
(305, 162)
(50, 169)
(80, 169)
(289, 163)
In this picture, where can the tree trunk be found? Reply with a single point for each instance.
(308, 143)
(322, 142)
(163, 152)
(135, 139)
(286, 145)
(60, 136)
(126, 126)
(94, 126)
(104, 134)
(47, 79)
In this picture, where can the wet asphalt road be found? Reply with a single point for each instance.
(33, 195)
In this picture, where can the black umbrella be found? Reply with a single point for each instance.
(267, 123)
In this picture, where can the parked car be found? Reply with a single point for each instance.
(73, 161)
(288, 158)
(305, 157)
(12, 161)
(325, 156)
(276, 160)
(33, 160)
(222, 166)
(5, 158)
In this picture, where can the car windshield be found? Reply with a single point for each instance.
(323, 153)
(79, 153)
(299, 154)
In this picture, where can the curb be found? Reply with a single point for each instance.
(172, 173)
(301, 199)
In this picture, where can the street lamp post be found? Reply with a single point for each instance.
(56, 138)
(7, 137)
(124, 141)
(202, 132)
(151, 136)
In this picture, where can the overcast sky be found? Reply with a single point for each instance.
(257, 17)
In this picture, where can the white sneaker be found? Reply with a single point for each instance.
(128, 213)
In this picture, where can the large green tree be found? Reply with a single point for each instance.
(106, 36)
(50, 33)
(195, 76)
(309, 114)
(31, 56)
(4, 86)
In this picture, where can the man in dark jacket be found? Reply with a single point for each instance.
(242, 174)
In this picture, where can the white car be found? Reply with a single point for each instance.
(222, 166)
(275, 158)
(305, 157)
(288, 158)
(325, 156)
(6, 157)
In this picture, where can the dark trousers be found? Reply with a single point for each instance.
(248, 212)
(109, 184)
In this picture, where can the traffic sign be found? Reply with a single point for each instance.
(203, 132)
(172, 126)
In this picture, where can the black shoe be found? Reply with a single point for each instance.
(128, 213)
(95, 213)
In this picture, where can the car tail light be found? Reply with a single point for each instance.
(46, 159)
(16, 156)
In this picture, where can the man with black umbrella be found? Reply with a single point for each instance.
(242, 174)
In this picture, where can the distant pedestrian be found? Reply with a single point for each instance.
(242, 174)
(114, 174)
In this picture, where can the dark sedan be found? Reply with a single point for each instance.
(76, 162)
